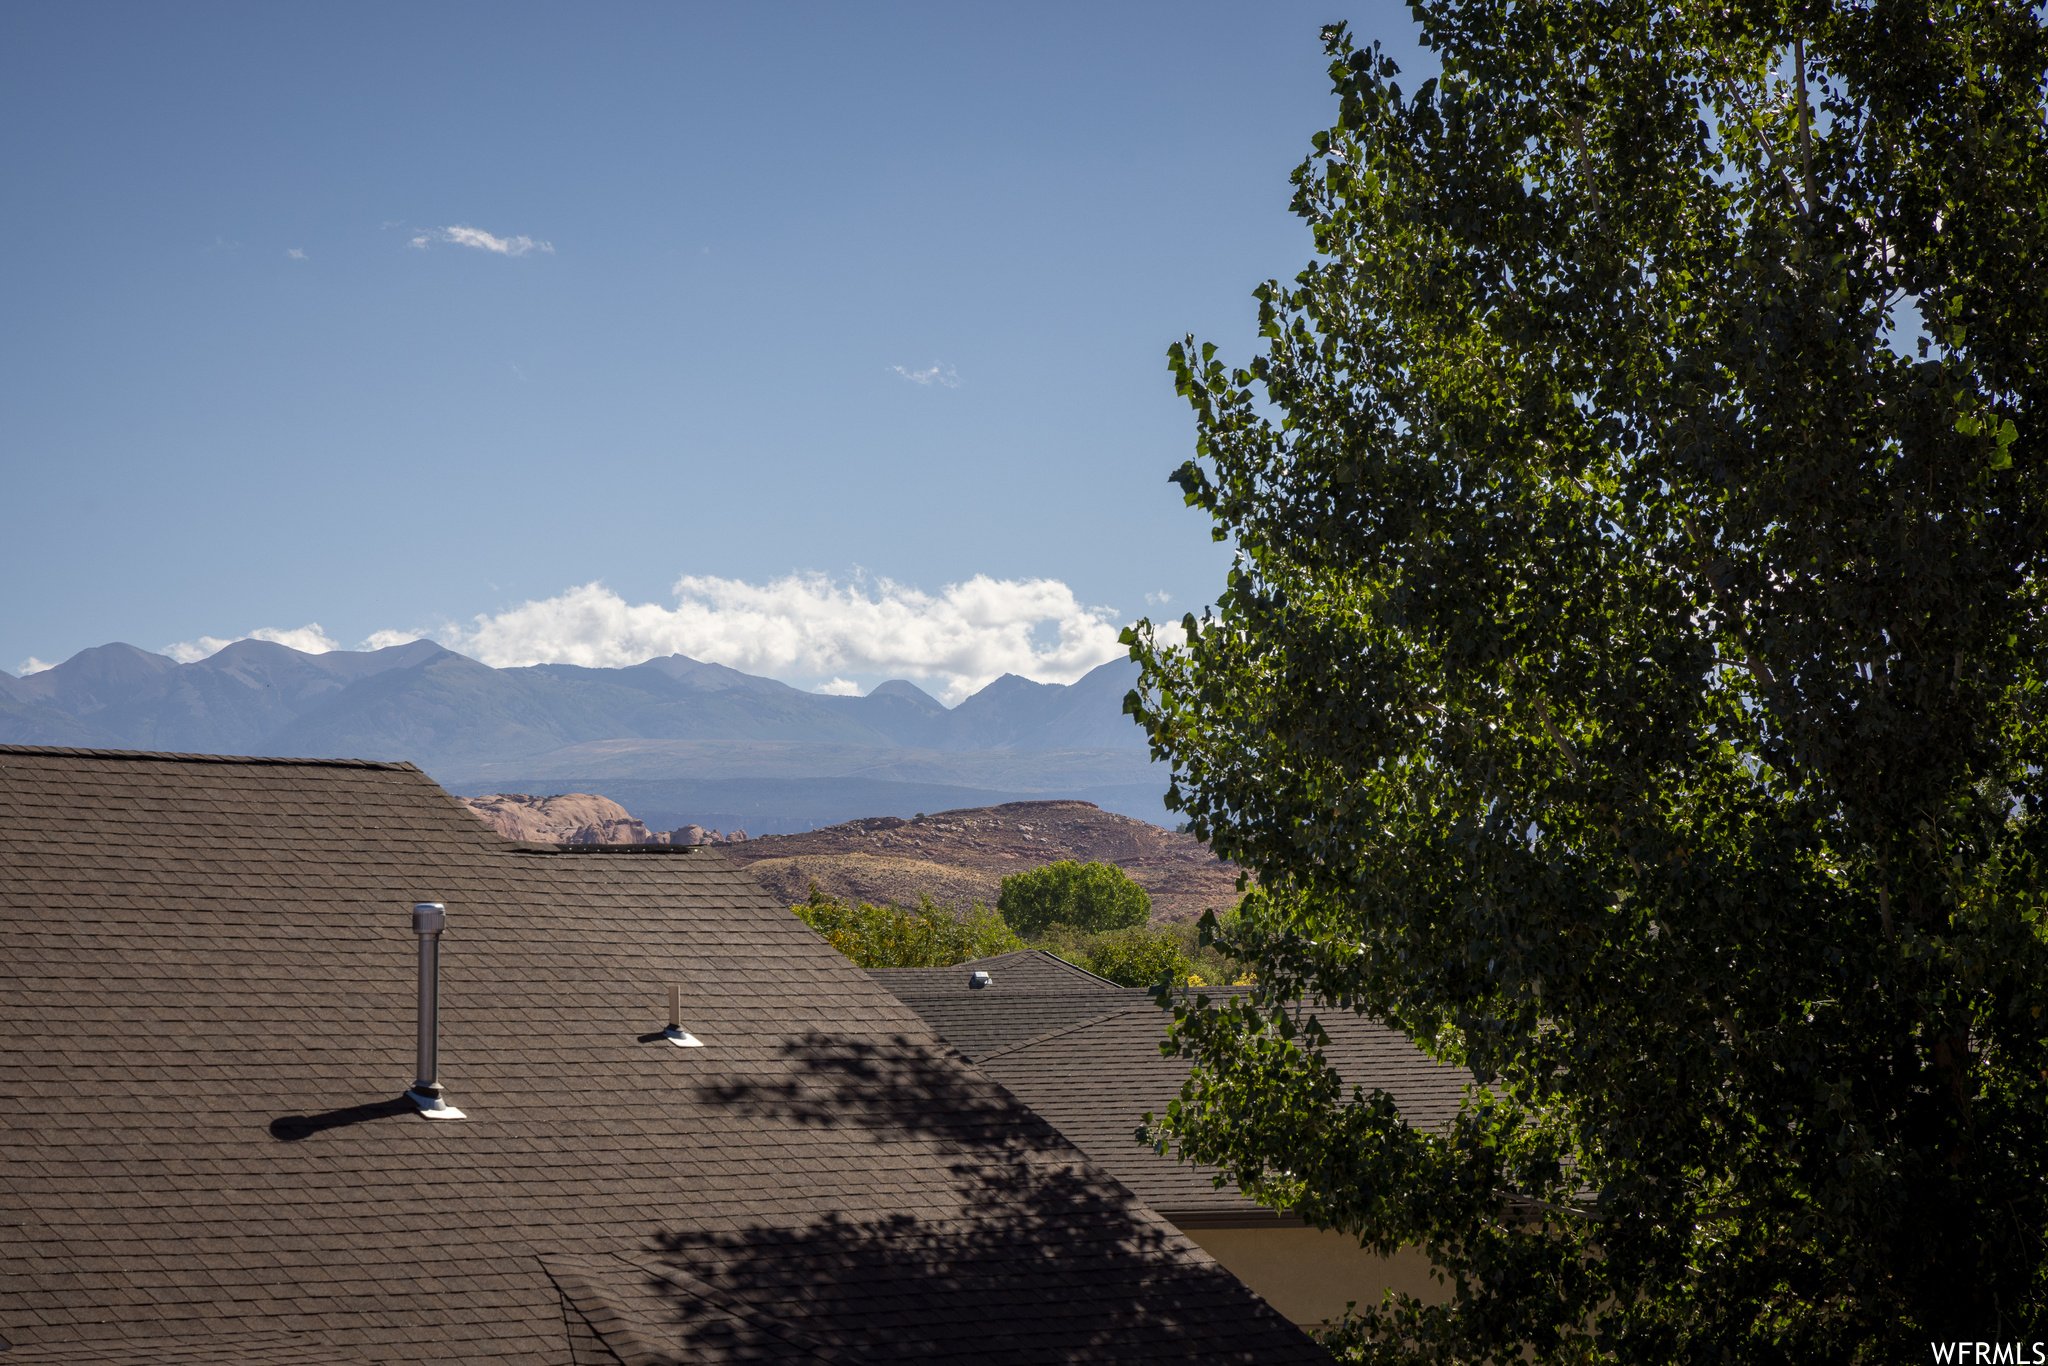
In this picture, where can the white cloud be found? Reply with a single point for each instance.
(959, 639)
(192, 651)
(942, 375)
(309, 639)
(32, 665)
(1158, 599)
(799, 628)
(296, 253)
(476, 237)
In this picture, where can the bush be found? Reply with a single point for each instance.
(927, 935)
(1094, 897)
(1138, 957)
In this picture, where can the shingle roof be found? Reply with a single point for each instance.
(1088, 1060)
(1095, 1079)
(1021, 969)
(251, 1349)
(1032, 992)
(982, 1022)
(206, 1017)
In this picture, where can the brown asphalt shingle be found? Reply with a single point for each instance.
(1096, 1079)
(1032, 970)
(984, 1022)
(206, 1016)
(1086, 1058)
(255, 1349)
(1032, 992)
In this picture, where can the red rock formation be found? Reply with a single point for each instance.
(571, 818)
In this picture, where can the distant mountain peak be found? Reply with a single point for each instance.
(1010, 683)
(96, 678)
(910, 692)
(705, 676)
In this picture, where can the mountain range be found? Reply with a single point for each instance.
(682, 739)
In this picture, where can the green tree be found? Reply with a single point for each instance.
(1113, 954)
(926, 935)
(1088, 896)
(1630, 681)
(1139, 957)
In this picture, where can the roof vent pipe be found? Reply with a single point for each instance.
(429, 918)
(675, 1033)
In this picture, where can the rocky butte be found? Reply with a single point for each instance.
(579, 818)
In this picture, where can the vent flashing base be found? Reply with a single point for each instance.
(675, 1033)
(434, 1107)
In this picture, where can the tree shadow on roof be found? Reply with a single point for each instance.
(1006, 1244)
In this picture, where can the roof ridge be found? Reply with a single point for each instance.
(579, 1282)
(1071, 966)
(1063, 1029)
(172, 756)
(545, 847)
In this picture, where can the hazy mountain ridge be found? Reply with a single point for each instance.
(451, 714)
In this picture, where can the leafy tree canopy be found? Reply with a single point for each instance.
(1138, 957)
(1134, 957)
(926, 935)
(1630, 681)
(1144, 954)
(1088, 896)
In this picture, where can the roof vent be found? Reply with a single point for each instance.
(978, 980)
(429, 918)
(675, 1033)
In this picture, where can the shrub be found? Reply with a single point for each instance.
(926, 935)
(1088, 896)
(1140, 958)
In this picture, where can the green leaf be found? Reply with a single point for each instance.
(1627, 684)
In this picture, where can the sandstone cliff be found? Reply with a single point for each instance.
(579, 818)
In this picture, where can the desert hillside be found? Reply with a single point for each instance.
(962, 856)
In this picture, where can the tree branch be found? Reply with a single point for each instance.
(1749, 114)
(1805, 126)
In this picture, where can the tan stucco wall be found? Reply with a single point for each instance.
(1309, 1274)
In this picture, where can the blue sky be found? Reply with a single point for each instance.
(426, 319)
